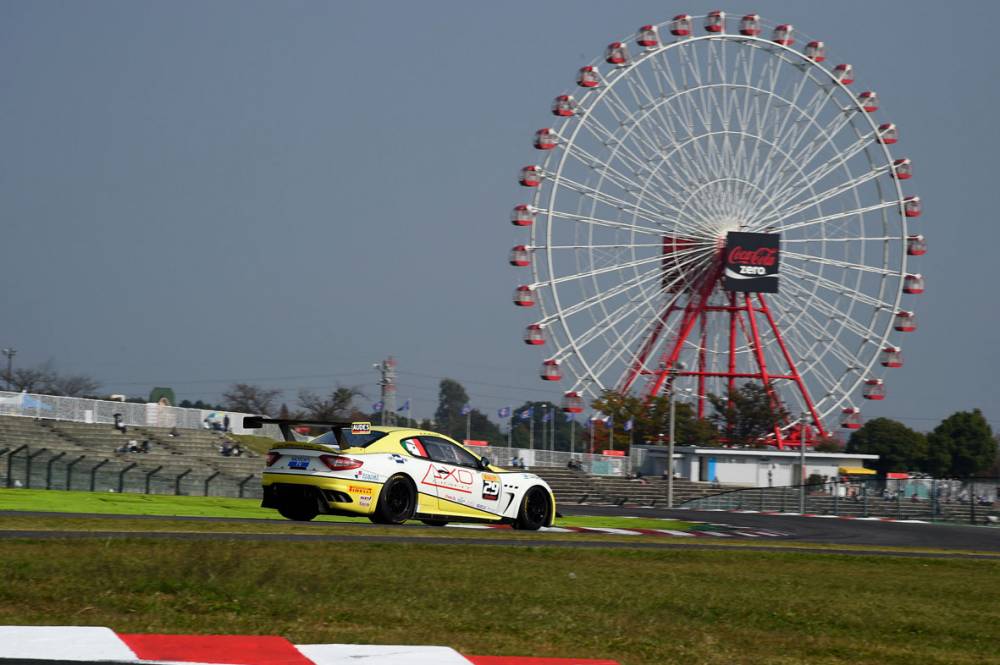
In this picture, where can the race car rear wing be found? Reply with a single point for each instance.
(286, 424)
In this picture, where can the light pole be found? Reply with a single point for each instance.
(803, 419)
(10, 352)
(670, 448)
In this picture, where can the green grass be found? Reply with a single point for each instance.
(638, 607)
(196, 506)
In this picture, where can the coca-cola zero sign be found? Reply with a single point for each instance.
(751, 262)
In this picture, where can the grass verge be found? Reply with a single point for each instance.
(638, 607)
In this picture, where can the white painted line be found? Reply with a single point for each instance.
(374, 654)
(83, 643)
(671, 532)
(714, 533)
(746, 534)
(615, 532)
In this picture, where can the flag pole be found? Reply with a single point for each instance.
(510, 429)
(531, 429)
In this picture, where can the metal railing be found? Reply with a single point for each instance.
(973, 500)
(39, 468)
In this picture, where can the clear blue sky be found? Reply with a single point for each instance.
(197, 193)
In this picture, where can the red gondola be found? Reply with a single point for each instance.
(892, 356)
(868, 101)
(911, 206)
(681, 25)
(588, 77)
(550, 371)
(905, 321)
(783, 35)
(616, 54)
(524, 297)
(523, 215)
(715, 21)
(520, 256)
(531, 176)
(572, 402)
(564, 106)
(913, 284)
(545, 139)
(851, 418)
(874, 389)
(902, 169)
(844, 74)
(533, 335)
(648, 37)
(888, 134)
(750, 25)
(916, 245)
(816, 51)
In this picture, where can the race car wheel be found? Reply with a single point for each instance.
(534, 511)
(301, 510)
(434, 522)
(396, 502)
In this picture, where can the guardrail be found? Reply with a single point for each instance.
(39, 468)
(972, 500)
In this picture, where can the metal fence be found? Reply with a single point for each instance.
(973, 500)
(40, 468)
(83, 410)
(598, 465)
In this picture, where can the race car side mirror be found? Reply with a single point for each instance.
(484, 462)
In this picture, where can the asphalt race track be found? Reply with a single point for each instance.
(953, 540)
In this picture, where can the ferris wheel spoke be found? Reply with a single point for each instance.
(840, 215)
(651, 216)
(825, 169)
(810, 334)
(600, 298)
(604, 223)
(836, 287)
(821, 197)
(698, 253)
(815, 370)
(839, 264)
(827, 309)
(681, 178)
(623, 180)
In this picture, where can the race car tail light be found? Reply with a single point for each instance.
(273, 457)
(339, 462)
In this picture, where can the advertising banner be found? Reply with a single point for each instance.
(751, 262)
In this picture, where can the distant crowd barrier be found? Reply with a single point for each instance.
(151, 414)
(598, 465)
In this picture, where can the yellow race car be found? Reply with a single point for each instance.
(394, 474)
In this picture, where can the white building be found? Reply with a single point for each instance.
(750, 466)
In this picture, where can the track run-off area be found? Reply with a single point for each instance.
(705, 530)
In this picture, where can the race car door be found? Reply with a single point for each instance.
(461, 487)
(427, 501)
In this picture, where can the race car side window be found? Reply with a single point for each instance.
(415, 447)
(448, 453)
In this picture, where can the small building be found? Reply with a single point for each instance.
(757, 467)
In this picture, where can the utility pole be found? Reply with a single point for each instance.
(670, 449)
(387, 383)
(10, 352)
(803, 419)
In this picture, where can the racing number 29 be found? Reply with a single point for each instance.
(491, 490)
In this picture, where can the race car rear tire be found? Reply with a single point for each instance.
(396, 502)
(534, 511)
(302, 510)
(435, 522)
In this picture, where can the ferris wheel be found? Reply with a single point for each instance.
(717, 208)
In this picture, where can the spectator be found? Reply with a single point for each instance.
(174, 433)
(236, 451)
(225, 423)
(144, 446)
(119, 424)
(226, 449)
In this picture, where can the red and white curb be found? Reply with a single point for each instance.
(733, 531)
(89, 644)
(828, 517)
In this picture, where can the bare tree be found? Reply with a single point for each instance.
(338, 405)
(43, 379)
(249, 398)
(76, 385)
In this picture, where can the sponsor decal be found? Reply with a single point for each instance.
(358, 489)
(752, 262)
(397, 458)
(366, 475)
(458, 480)
(364, 501)
(414, 447)
(298, 463)
(491, 487)
(361, 428)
